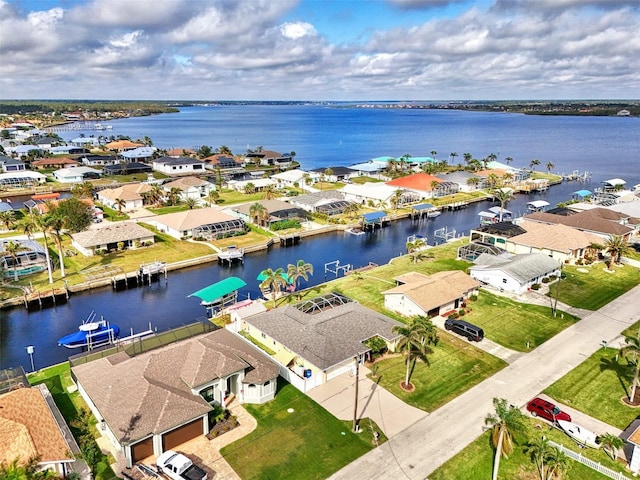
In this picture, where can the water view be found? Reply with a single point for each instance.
(323, 136)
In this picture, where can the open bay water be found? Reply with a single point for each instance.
(323, 136)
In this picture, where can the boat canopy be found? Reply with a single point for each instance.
(497, 211)
(218, 290)
(614, 182)
(538, 203)
(422, 206)
(582, 193)
(374, 217)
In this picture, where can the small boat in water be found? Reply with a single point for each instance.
(433, 213)
(582, 436)
(231, 253)
(92, 333)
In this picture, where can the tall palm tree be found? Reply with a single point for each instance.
(13, 248)
(274, 280)
(611, 444)
(249, 188)
(503, 195)
(269, 192)
(616, 246)
(508, 160)
(538, 450)
(328, 172)
(550, 166)
(467, 158)
(433, 154)
(352, 210)
(473, 182)
(156, 193)
(301, 269)
(492, 157)
(224, 150)
(56, 227)
(255, 212)
(415, 337)
(434, 186)
(506, 423)
(174, 195)
(42, 224)
(120, 203)
(534, 163)
(416, 249)
(452, 156)
(396, 198)
(557, 463)
(631, 348)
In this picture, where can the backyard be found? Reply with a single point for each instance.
(296, 439)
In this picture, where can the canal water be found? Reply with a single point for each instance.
(167, 304)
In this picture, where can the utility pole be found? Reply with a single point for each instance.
(355, 403)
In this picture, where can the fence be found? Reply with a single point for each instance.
(589, 463)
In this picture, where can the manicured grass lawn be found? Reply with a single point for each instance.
(308, 443)
(596, 288)
(229, 197)
(632, 330)
(58, 378)
(476, 460)
(513, 324)
(596, 387)
(454, 367)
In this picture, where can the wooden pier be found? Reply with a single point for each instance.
(49, 298)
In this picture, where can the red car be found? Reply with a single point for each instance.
(547, 410)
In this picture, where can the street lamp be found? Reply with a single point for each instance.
(30, 350)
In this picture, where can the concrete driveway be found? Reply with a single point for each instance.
(417, 451)
(390, 413)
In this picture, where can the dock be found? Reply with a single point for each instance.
(231, 254)
(290, 239)
(48, 298)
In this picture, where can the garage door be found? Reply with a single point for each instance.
(142, 450)
(339, 371)
(181, 434)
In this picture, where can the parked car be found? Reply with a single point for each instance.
(178, 467)
(539, 407)
(466, 329)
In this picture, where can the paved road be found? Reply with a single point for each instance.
(420, 449)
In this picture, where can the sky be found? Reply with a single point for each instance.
(320, 50)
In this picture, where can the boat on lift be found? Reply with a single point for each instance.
(91, 333)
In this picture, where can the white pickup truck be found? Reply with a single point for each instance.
(178, 467)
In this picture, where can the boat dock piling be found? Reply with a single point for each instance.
(335, 268)
(289, 240)
(49, 298)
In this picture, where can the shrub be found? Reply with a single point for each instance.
(546, 280)
(461, 312)
(473, 298)
(453, 316)
(535, 286)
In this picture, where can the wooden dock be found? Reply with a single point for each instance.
(290, 240)
(47, 298)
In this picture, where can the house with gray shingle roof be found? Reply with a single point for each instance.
(178, 166)
(111, 237)
(514, 274)
(155, 401)
(317, 340)
(429, 295)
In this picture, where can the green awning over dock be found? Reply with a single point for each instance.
(218, 290)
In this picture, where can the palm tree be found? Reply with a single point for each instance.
(538, 450)
(433, 154)
(508, 160)
(506, 423)
(17, 470)
(352, 210)
(415, 249)
(249, 188)
(274, 280)
(56, 226)
(269, 192)
(632, 349)
(7, 218)
(434, 186)
(557, 463)
(212, 197)
(467, 158)
(395, 199)
(42, 223)
(119, 203)
(492, 157)
(550, 166)
(174, 195)
(534, 163)
(13, 247)
(507, 178)
(224, 150)
(473, 182)
(255, 212)
(452, 156)
(415, 336)
(300, 270)
(191, 203)
(611, 444)
(328, 172)
(503, 195)
(616, 246)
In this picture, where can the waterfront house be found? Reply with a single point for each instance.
(29, 429)
(67, 150)
(90, 142)
(122, 145)
(181, 152)
(110, 238)
(190, 187)
(560, 242)
(422, 184)
(98, 160)
(257, 184)
(157, 400)
(132, 194)
(178, 166)
(319, 339)
(139, 154)
(53, 163)
(331, 202)
(127, 168)
(21, 179)
(429, 295)
(465, 181)
(373, 168)
(337, 174)
(600, 221)
(514, 273)
(276, 209)
(8, 164)
(269, 158)
(204, 223)
(76, 174)
(46, 142)
(293, 178)
(225, 163)
(370, 193)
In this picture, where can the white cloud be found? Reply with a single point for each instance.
(297, 30)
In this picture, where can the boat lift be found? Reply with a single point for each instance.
(445, 234)
(335, 268)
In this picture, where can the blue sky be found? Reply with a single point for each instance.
(320, 49)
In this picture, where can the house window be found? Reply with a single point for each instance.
(263, 335)
(504, 280)
(268, 382)
(251, 385)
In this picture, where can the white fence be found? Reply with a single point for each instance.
(589, 463)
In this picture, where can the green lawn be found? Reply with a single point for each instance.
(58, 378)
(513, 324)
(308, 443)
(595, 288)
(596, 387)
(454, 367)
(476, 460)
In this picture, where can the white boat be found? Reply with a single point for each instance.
(153, 268)
(433, 213)
(582, 436)
(354, 231)
(231, 253)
